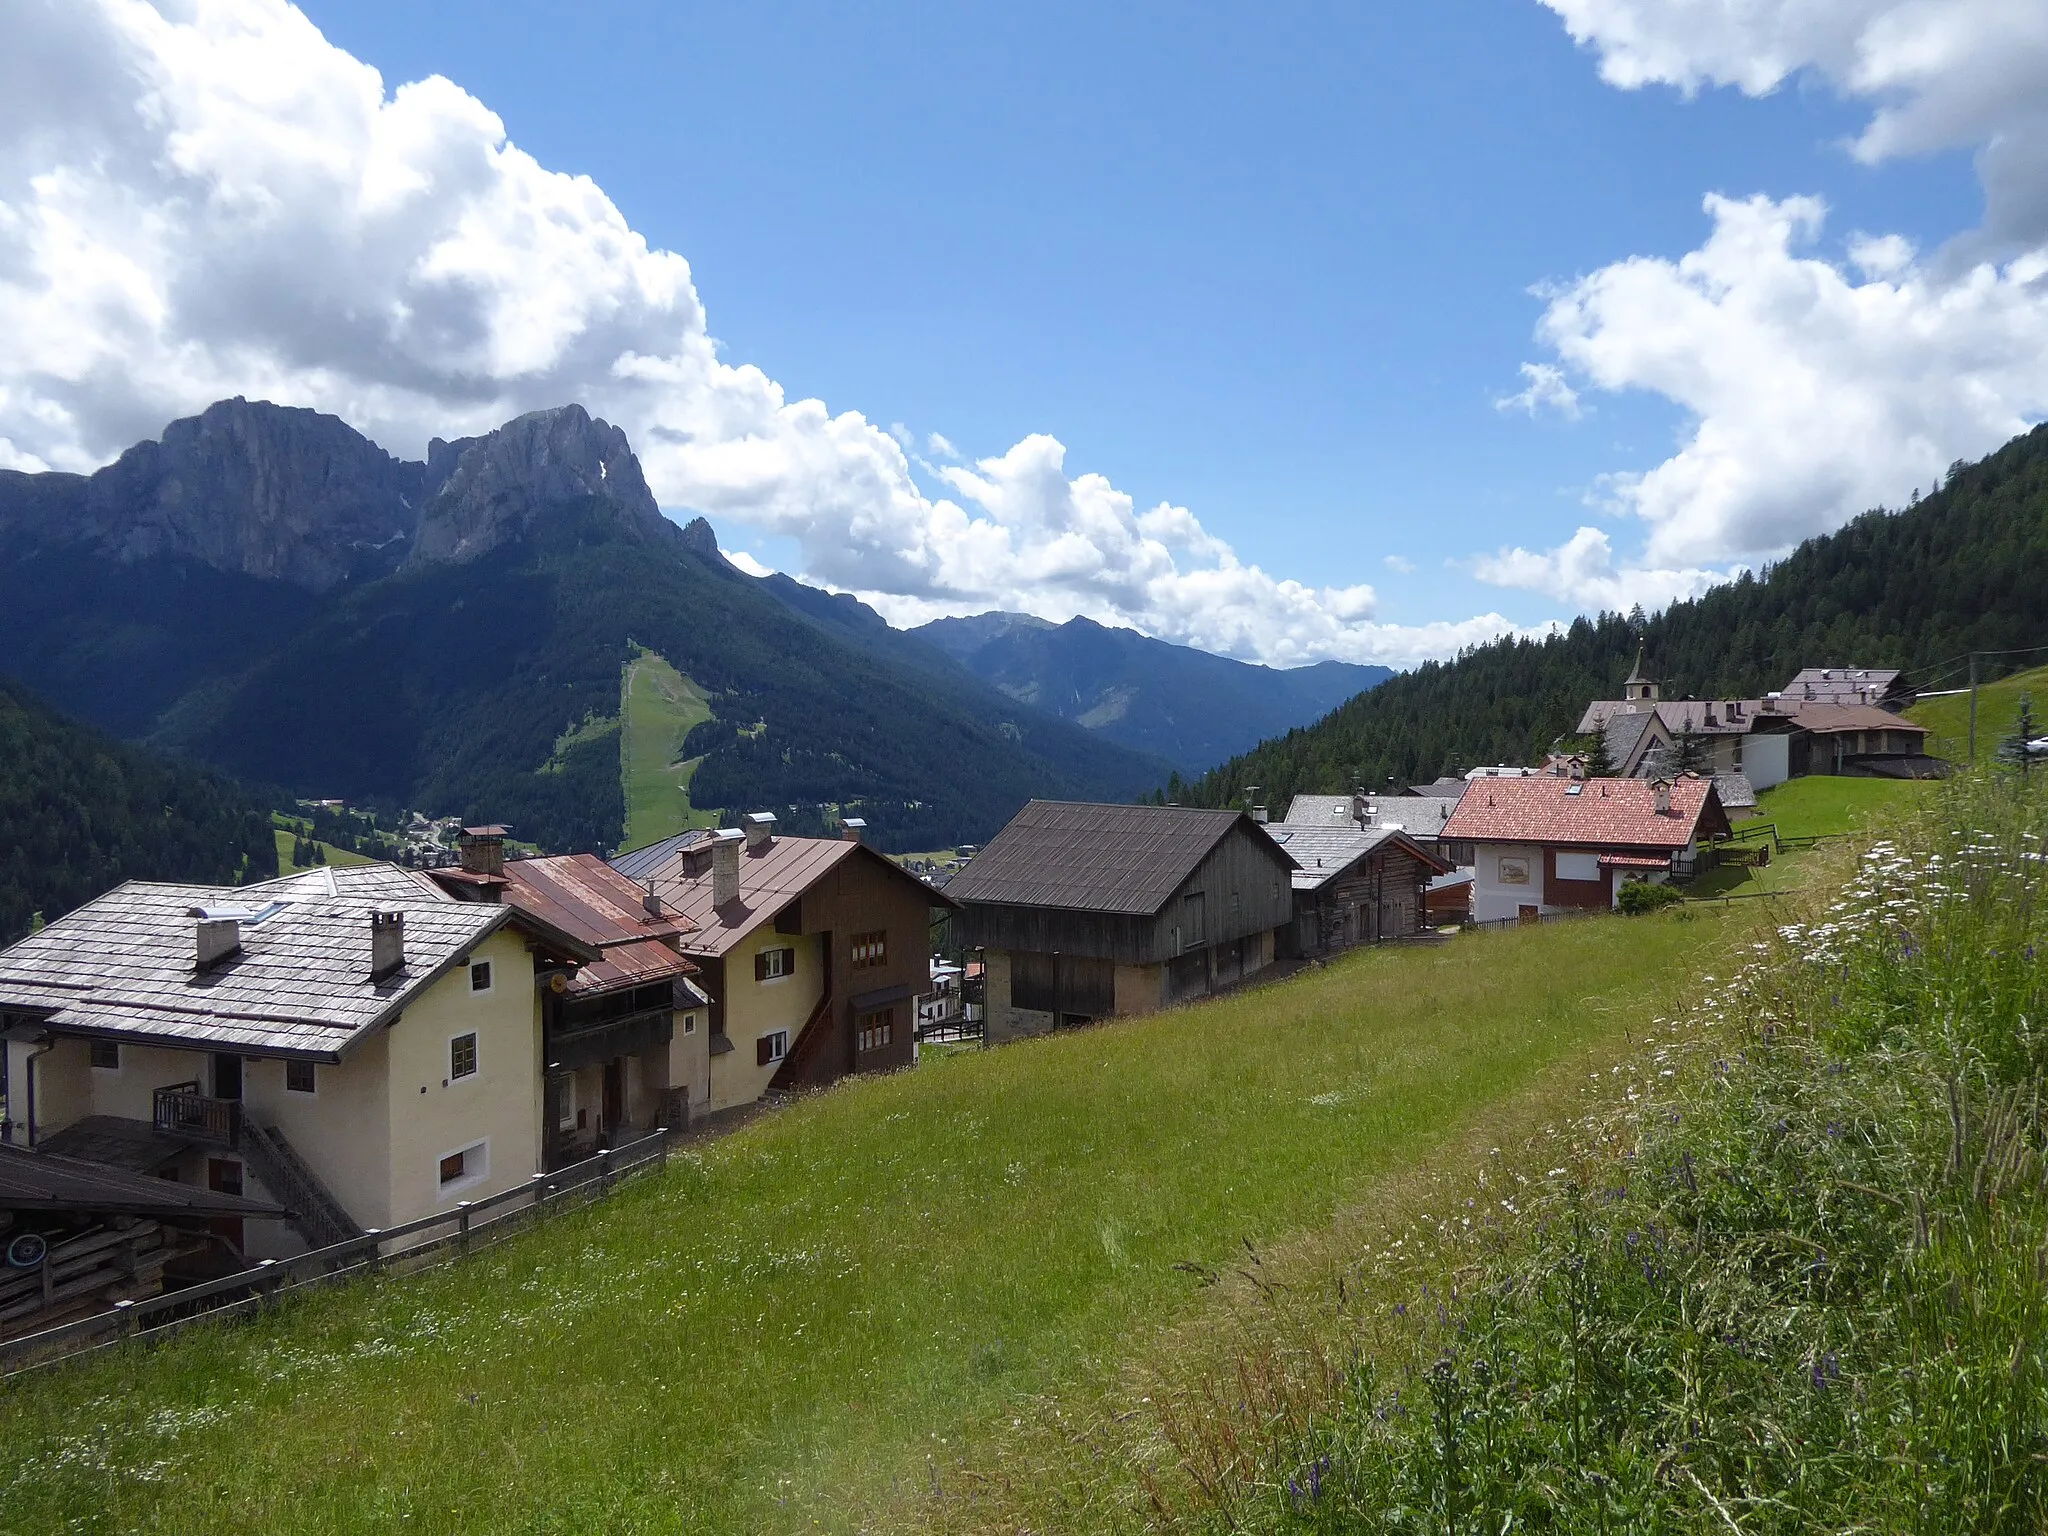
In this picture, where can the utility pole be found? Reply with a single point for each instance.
(1973, 709)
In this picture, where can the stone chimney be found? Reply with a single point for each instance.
(853, 829)
(216, 936)
(1660, 791)
(387, 944)
(1361, 809)
(483, 850)
(725, 866)
(651, 904)
(760, 829)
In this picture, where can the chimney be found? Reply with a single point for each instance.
(216, 937)
(760, 829)
(725, 866)
(387, 944)
(483, 850)
(652, 903)
(853, 829)
(1660, 791)
(1361, 808)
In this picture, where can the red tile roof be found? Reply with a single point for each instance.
(1605, 813)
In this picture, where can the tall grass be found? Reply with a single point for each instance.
(1790, 1278)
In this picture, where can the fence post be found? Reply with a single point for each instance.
(604, 1170)
(462, 1226)
(376, 1250)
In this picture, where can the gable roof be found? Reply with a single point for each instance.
(43, 1181)
(122, 965)
(1317, 811)
(1324, 853)
(771, 877)
(1603, 813)
(1828, 719)
(582, 895)
(1842, 685)
(642, 862)
(1098, 858)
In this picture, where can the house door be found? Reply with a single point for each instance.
(227, 1076)
(614, 1094)
(224, 1177)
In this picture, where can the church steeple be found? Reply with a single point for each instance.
(1639, 686)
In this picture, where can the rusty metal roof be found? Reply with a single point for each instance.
(1097, 858)
(584, 896)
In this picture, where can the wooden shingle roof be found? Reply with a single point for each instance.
(1097, 858)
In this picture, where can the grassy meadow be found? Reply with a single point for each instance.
(1783, 1270)
(825, 1320)
(286, 842)
(1998, 707)
(1825, 806)
(658, 706)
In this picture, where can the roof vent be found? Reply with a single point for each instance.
(760, 829)
(387, 944)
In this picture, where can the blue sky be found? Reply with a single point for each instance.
(1189, 288)
(1273, 266)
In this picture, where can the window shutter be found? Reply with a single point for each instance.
(761, 974)
(789, 962)
(763, 1052)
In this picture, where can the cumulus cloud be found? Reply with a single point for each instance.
(1547, 390)
(1582, 571)
(1399, 564)
(1816, 387)
(210, 199)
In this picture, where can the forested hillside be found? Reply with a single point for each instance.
(1966, 569)
(80, 812)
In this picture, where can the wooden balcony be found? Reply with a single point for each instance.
(182, 1110)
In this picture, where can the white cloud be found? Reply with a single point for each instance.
(1547, 390)
(1399, 564)
(1942, 74)
(1582, 571)
(1816, 388)
(939, 447)
(216, 201)
(747, 562)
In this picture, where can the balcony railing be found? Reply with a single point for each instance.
(182, 1110)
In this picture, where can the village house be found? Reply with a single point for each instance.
(351, 1043)
(1083, 911)
(1640, 730)
(1883, 688)
(624, 1038)
(1549, 845)
(812, 952)
(1861, 741)
(1355, 885)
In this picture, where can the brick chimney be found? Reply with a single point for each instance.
(387, 944)
(760, 829)
(853, 829)
(725, 866)
(483, 850)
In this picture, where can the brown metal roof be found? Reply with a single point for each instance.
(1096, 858)
(582, 895)
(1586, 813)
(1828, 719)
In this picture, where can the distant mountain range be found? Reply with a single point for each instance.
(1188, 706)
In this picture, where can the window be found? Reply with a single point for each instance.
(480, 976)
(870, 949)
(298, 1076)
(689, 1023)
(1578, 866)
(1191, 918)
(771, 1048)
(462, 1056)
(106, 1055)
(227, 1076)
(875, 1030)
(772, 964)
(467, 1166)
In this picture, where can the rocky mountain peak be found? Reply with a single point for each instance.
(700, 538)
(488, 491)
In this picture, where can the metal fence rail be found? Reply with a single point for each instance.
(441, 1236)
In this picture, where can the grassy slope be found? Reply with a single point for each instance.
(1997, 707)
(659, 706)
(336, 856)
(1824, 806)
(775, 1334)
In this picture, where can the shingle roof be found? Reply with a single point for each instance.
(1702, 717)
(1838, 685)
(1324, 853)
(41, 1181)
(1604, 813)
(1095, 858)
(1448, 787)
(1736, 792)
(1826, 719)
(122, 965)
(1317, 811)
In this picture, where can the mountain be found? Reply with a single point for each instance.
(1964, 570)
(267, 591)
(80, 812)
(1190, 707)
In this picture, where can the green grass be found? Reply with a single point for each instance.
(336, 856)
(1789, 1276)
(1997, 708)
(659, 705)
(797, 1325)
(1825, 806)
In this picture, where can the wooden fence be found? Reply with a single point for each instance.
(414, 1245)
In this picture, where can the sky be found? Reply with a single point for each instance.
(1311, 331)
